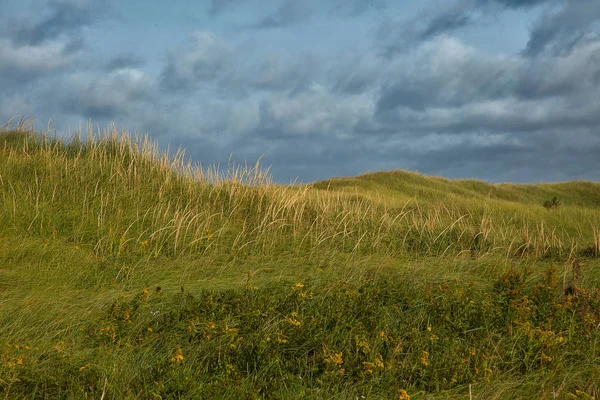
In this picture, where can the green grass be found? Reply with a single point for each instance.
(127, 273)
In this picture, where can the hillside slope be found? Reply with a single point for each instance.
(405, 184)
(126, 273)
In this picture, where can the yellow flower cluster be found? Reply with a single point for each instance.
(178, 356)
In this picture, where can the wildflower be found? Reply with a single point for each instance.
(59, 346)
(149, 329)
(297, 286)
(424, 358)
(86, 366)
(281, 339)
(379, 361)
(335, 358)
(402, 395)
(144, 243)
(293, 319)
(144, 294)
(178, 356)
(227, 329)
(368, 367)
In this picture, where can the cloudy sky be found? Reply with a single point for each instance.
(500, 90)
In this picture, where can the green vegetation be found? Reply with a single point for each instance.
(127, 273)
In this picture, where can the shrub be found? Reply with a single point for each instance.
(549, 204)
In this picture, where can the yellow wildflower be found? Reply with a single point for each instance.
(424, 358)
(368, 367)
(178, 356)
(86, 366)
(335, 358)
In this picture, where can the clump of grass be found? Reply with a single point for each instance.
(550, 204)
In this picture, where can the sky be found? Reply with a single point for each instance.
(497, 90)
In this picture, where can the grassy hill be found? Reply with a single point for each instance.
(127, 273)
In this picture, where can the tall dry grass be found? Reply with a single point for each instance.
(119, 194)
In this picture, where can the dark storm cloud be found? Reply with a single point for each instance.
(560, 30)
(441, 108)
(66, 17)
(438, 106)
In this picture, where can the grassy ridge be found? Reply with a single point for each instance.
(99, 233)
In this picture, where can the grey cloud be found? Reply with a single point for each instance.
(514, 3)
(445, 73)
(205, 59)
(218, 6)
(441, 18)
(355, 76)
(127, 60)
(355, 8)
(316, 112)
(211, 63)
(290, 12)
(478, 89)
(21, 65)
(561, 30)
(118, 94)
(66, 16)
(431, 22)
(276, 74)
